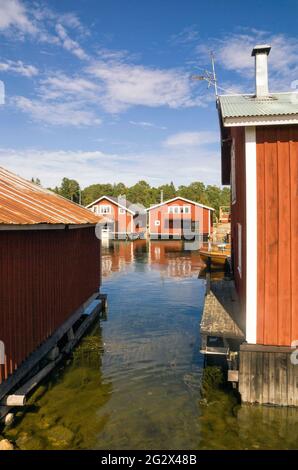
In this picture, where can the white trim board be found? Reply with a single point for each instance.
(251, 234)
(260, 120)
(179, 198)
(112, 201)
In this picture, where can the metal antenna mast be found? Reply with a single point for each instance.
(209, 77)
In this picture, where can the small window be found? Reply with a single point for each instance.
(239, 241)
(121, 211)
(157, 223)
(186, 209)
(233, 172)
(105, 209)
(95, 209)
(174, 210)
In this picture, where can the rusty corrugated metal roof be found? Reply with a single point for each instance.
(276, 104)
(25, 203)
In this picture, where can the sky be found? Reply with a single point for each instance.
(102, 91)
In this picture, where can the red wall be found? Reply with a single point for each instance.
(277, 186)
(161, 214)
(45, 275)
(124, 222)
(238, 215)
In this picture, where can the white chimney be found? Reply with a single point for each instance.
(261, 52)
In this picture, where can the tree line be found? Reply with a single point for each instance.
(143, 193)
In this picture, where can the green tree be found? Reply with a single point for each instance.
(70, 189)
(36, 181)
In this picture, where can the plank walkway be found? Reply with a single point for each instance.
(220, 309)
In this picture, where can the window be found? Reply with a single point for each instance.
(157, 223)
(239, 228)
(233, 172)
(95, 209)
(186, 209)
(105, 209)
(174, 210)
(121, 211)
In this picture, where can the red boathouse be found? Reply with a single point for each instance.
(50, 268)
(259, 135)
(122, 218)
(178, 218)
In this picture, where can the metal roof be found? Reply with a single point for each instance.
(275, 104)
(25, 203)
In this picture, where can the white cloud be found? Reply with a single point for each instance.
(90, 167)
(69, 44)
(146, 124)
(127, 85)
(190, 139)
(60, 85)
(188, 35)
(18, 67)
(57, 113)
(233, 53)
(13, 14)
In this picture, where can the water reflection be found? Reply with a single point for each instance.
(168, 257)
(135, 382)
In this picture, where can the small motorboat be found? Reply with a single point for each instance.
(218, 255)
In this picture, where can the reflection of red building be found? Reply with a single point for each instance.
(169, 257)
(180, 217)
(120, 215)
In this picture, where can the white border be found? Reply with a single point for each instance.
(112, 201)
(181, 199)
(251, 234)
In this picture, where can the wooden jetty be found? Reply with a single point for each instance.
(16, 389)
(218, 328)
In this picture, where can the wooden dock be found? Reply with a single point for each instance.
(218, 324)
(15, 390)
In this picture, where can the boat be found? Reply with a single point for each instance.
(218, 256)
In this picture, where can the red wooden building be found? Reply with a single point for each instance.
(122, 219)
(50, 267)
(259, 135)
(180, 218)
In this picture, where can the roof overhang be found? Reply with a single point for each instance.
(175, 199)
(112, 202)
(260, 120)
(24, 227)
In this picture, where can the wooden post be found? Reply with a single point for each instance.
(208, 275)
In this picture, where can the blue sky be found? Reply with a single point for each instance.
(101, 90)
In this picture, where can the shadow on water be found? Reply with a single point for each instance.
(137, 381)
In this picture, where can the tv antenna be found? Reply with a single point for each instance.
(209, 77)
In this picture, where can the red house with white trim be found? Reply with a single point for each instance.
(122, 218)
(259, 136)
(180, 218)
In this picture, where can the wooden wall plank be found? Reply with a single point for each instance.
(294, 231)
(261, 191)
(284, 239)
(271, 240)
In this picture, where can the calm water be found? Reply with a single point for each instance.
(135, 381)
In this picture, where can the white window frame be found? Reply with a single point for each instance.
(188, 211)
(157, 223)
(95, 209)
(121, 210)
(239, 255)
(233, 172)
(174, 209)
(103, 211)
